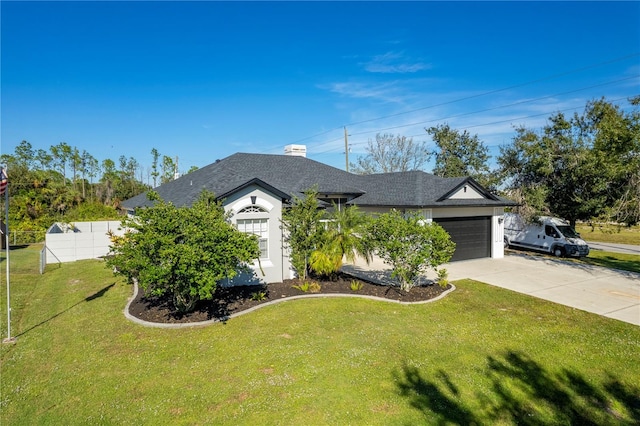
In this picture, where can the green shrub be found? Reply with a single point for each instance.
(301, 221)
(443, 277)
(409, 245)
(308, 287)
(356, 285)
(181, 251)
(314, 287)
(303, 286)
(259, 296)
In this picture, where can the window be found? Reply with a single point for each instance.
(568, 231)
(252, 209)
(259, 227)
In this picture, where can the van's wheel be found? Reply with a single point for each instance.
(506, 243)
(558, 252)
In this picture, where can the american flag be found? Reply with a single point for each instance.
(4, 181)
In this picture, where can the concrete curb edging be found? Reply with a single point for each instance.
(273, 302)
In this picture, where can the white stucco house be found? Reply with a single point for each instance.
(255, 188)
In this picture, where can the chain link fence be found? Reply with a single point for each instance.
(17, 238)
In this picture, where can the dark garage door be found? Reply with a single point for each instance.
(472, 236)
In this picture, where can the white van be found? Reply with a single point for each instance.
(548, 234)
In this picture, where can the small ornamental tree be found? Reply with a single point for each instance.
(181, 251)
(409, 245)
(303, 230)
(343, 238)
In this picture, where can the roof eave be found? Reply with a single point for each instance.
(475, 185)
(258, 182)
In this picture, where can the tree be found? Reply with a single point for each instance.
(44, 159)
(24, 154)
(131, 166)
(40, 194)
(75, 161)
(343, 238)
(154, 166)
(107, 182)
(555, 163)
(461, 154)
(409, 245)
(615, 139)
(577, 168)
(61, 154)
(168, 169)
(390, 153)
(120, 184)
(303, 230)
(90, 167)
(181, 251)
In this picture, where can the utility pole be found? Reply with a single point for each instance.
(346, 149)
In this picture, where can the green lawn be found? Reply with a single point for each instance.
(482, 354)
(625, 262)
(609, 233)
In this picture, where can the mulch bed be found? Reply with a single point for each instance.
(231, 300)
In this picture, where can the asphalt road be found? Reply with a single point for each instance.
(616, 248)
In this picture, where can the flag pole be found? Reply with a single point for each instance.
(9, 339)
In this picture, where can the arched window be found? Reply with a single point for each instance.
(252, 209)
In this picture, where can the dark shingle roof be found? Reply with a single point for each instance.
(414, 188)
(290, 176)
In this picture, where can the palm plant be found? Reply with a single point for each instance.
(343, 239)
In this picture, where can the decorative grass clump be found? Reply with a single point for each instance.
(356, 285)
(308, 286)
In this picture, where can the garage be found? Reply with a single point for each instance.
(472, 236)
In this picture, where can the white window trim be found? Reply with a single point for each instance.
(245, 202)
(260, 236)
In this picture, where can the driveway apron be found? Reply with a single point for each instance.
(603, 291)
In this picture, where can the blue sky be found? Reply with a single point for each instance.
(203, 80)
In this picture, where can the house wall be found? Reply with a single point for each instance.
(497, 233)
(496, 213)
(276, 266)
(466, 193)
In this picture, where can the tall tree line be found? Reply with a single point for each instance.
(64, 183)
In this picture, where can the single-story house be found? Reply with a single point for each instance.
(255, 188)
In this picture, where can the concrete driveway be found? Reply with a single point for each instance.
(611, 293)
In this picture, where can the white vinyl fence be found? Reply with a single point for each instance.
(68, 242)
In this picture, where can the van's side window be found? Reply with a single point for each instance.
(550, 231)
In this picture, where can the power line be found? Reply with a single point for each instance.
(498, 107)
(319, 134)
(618, 59)
(501, 90)
(483, 124)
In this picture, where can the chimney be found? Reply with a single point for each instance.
(296, 150)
